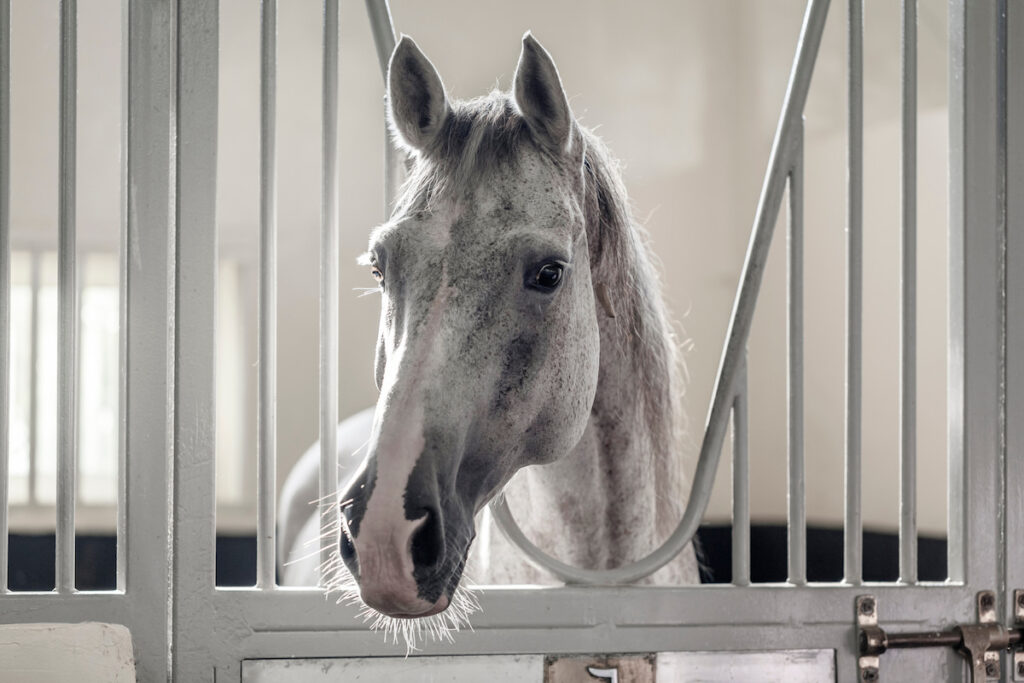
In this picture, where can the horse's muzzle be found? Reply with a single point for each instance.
(400, 607)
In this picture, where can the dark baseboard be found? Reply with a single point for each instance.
(31, 565)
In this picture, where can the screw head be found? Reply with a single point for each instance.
(1020, 668)
(869, 674)
(1020, 599)
(987, 601)
(990, 670)
(867, 606)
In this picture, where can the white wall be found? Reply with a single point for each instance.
(686, 93)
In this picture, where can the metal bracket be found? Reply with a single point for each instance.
(869, 637)
(981, 644)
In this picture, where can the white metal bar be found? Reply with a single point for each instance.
(539, 608)
(67, 285)
(852, 527)
(383, 29)
(740, 482)
(33, 389)
(194, 621)
(908, 319)
(977, 322)
(267, 390)
(1014, 568)
(797, 515)
(122, 321)
(329, 283)
(148, 241)
(5, 278)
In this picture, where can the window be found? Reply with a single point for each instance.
(33, 392)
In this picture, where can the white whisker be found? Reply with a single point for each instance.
(413, 632)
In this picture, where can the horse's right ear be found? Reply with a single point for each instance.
(417, 104)
(540, 97)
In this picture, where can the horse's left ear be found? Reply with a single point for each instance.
(540, 97)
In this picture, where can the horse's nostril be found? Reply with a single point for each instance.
(348, 551)
(346, 547)
(428, 541)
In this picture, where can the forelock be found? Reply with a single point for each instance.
(480, 137)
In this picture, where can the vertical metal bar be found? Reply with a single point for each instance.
(196, 626)
(148, 237)
(740, 482)
(797, 517)
(5, 278)
(33, 388)
(1014, 463)
(329, 284)
(977, 290)
(908, 320)
(852, 528)
(67, 286)
(977, 315)
(122, 321)
(267, 390)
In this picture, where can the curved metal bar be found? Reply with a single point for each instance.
(772, 192)
(383, 29)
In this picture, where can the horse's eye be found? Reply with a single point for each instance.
(548, 277)
(377, 275)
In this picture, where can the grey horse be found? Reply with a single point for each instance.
(522, 330)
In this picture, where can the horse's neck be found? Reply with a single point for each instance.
(601, 505)
(597, 506)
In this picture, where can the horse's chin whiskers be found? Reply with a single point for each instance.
(413, 632)
(437, 628)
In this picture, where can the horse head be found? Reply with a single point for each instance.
(487, 351)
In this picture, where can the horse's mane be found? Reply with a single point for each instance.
(487, 133)
(621, 260)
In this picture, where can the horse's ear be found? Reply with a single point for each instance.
(417, 104)
(540, 97)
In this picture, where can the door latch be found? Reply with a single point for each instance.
(981, 643)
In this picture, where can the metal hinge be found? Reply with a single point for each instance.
(981, 643)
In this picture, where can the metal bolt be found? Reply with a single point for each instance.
(990, 670)
(987, 601)
(869, 674)
(867, 606)
(1020, 668)
(1020, 599)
